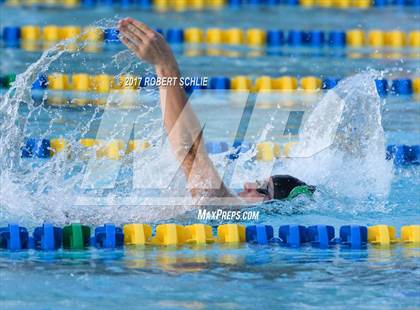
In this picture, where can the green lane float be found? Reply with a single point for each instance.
(76, 236)
(7, 80)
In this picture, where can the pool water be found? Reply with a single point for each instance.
(364, 191)
(246, 277)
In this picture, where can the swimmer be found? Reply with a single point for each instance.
(185, 132)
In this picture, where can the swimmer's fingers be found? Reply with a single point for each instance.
(129, 44)
(132, 32)
(148, 44)
(127, 33)
(142, 26)
(138, 32)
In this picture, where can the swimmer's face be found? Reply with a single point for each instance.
(252, 191)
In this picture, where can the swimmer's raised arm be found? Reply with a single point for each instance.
(181, 124)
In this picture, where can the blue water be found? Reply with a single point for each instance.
(217, 276)
(246, 277)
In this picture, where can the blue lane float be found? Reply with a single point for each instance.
(109, 3)
(380, 3)
(14, 237)
(329, 83)
(88, 3)
(255, 2)
(337, 39)
(315, 38)
(382, 87)
(144, 4)
(41, 82)
(322, 236)
(354, 236)
(295, 38)
(175, 36)
(219, 82)
(235, 3)
(125, 4)
(402, 87)
(11, 36)
(39, 148)
(47, 237)
(259, 234)
(399, 2)
(108, 237)
(111, 35)
(275, 38)
(293, 235)
(403, 154)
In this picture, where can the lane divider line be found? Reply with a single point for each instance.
(201, 5)
(33, 37)
(77, 236)
(103, 83)
(116, 149)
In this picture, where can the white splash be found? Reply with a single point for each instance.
(345, 133)
(35, 190)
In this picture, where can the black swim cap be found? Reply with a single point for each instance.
(284, 185)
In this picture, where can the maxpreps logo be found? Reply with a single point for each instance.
(227, 215)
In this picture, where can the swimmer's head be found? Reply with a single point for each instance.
(276, 187)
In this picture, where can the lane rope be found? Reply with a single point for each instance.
(78, 236)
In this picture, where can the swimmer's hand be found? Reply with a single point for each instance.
(148, 45)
